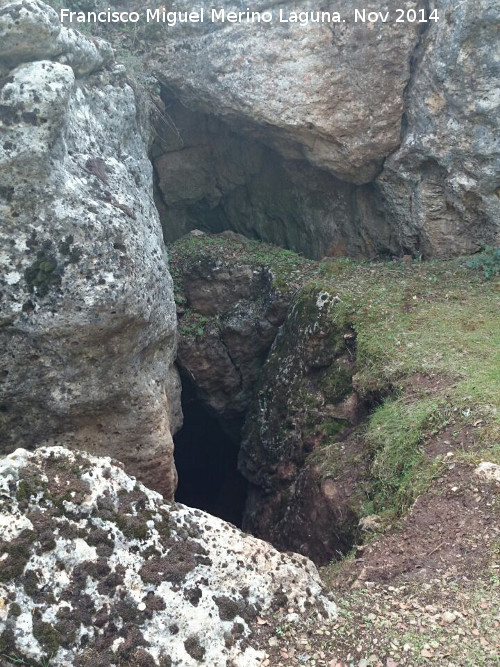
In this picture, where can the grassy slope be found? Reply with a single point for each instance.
(428, 336)
(435, 320)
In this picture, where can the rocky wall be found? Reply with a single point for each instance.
(441, 188)
(306, 465)
(351, 138)
(87, 334)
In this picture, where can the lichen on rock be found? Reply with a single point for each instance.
(87, 312)
(98, 569)
(31, 30)
(306, 475)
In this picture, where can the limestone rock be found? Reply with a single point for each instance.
(99, 570)
(441, 188)
(306, 472)
(329, 93)
(295, 397)
(490, 472)
(30, 30)
(234, 295)
(88, 322)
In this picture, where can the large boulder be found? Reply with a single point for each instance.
(442, 187)
(88, 321)
(331, 93)
(99, 570)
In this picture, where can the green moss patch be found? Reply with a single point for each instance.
(428, 337)
(43, 274)
(289, 270)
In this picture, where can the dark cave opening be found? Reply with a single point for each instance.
(206, 461)
(216, 175)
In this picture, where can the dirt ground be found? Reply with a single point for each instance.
(425, 592)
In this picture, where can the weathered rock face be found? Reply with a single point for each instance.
(329, 93)
(233, 296)
(314, 507)
(327, 107)
(212, 178)
(306, 466)
(306, 474)
(442, 186)
(88, 321)
(99, 570)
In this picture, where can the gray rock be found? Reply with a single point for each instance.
(441, 187)
(350, 99)
(329, 93)
(98, 570)
(489, 472)
(30, 30)
(88, 322)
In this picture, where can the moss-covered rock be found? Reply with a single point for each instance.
(305, 402)
(232, 294)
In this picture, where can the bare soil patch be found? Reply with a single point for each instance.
(449, 532)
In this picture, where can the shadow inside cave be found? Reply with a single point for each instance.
(206, 461)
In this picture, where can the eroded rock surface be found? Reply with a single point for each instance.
(263, 350)
(99, 570)
(330, 93)
(88, 321)
(233, 295)
(305, 466)
(441, 187)
(30, 30)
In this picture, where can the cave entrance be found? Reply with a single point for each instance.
(206, 461)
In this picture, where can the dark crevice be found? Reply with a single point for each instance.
(415, 58)
(206, 462)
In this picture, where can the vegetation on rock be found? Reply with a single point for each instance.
(424, 338)
(426, 341)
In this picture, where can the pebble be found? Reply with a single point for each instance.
(448, 617)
